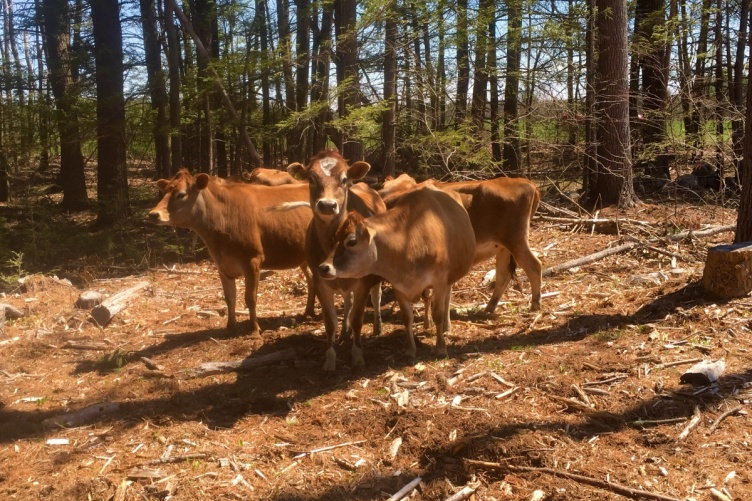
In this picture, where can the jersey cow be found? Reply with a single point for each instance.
(331, 196)
(271, 177)
(500, 211)
(241, 228)
(424, 241)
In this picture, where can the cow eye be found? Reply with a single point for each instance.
(344, 181)
(181, 195)
(351, 242)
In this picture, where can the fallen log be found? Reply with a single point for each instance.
(707, 232)
(211, 368)
(10, 312)
(589, 259)
(81, 417)
(111, 306)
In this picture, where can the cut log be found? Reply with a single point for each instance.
(589, 259)
(89, 299)
(211, 368)
(728, 271)
(111, 306)
(703, 373)
(10, 312)
(82, 416)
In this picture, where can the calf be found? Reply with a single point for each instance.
(331, 196)
(424, 241)
(241, 228)
(500, 211)
(271, 177)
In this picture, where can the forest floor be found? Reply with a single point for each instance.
(589, 386)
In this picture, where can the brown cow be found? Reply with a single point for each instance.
(425, 240)
(331, 196)
(500, 210)
(241, 228)
(271, 177)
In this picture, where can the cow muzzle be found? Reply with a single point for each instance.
(327, 207)
(155, 216)
(327, 271)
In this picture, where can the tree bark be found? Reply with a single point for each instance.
(112, 175)
(156, 83)
(744, 216)
(261, 18)
(493, 82)
(57, 26)
(614, 180)
(698, 85)
(302, 64)
(737, 92)
(173, 65)
(390, 88)
(322, 50)
(285, 51)
(480, 82)
(511, 151)
(463, 64)
(347, 61)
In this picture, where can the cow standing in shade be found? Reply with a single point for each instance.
(425, 240)
(241, 228)
(332, 195)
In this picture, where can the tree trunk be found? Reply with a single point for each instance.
(511, 152)
(590, 169)
(720, 97)
(614, 181)
(303, 51)
(173, 65)
(261, 18)
(204, 15)
(744, 216)
(738, 87)
(441, 80)
(56, 24)
(285, 51)
(156, 82)
(390, 88)
(493, 82)
(347, 58)
(463, 65)
(698, 85)
(480, 82)
(651, 42)
(322, 49)
(112, 175)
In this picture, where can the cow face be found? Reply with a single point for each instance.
(354, 254)
(329, 178)
(180, 200)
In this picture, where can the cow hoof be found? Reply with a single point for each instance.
(535, 307)
(357, 357)
(330, 364)
(440, 352)
(309, 314)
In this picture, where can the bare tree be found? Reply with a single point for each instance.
(390, 88)
(511, 151)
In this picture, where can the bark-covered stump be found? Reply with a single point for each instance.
(728, 271)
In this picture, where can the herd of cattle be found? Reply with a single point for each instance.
(346, 238)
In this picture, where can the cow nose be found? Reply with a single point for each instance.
(154, 215)
(327, 206)
(325, 270)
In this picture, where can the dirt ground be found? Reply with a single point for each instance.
(589, 386)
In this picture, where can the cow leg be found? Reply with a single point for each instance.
(503, 277)
(441, 318)
(356, 318)
(311, 303)
(231, 295)
(376, 302)
(406, 309)
(344, 335)
(252, 277)
(534, 271)
(329, 311)
(427, 299)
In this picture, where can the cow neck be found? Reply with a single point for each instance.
(325, 230)
(217, 210)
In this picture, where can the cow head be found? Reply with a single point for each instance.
(329, 178)
(181, 198)
(354, 254)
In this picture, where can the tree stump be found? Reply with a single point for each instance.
(728, 271)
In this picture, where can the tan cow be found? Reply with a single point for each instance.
(425, 240)
(241, 228)
(271, 177)
(500, 210)
(331, 196)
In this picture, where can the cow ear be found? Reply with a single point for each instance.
(298, 171)
(202, 181)
(358, 170)
(162, 185)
